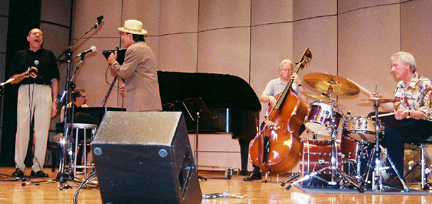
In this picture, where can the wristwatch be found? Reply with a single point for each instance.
(409, 115)
(56, 100)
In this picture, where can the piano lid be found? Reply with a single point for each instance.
(216, 90)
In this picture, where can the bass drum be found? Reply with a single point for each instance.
(317, 155)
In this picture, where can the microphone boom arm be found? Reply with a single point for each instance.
(68, 50)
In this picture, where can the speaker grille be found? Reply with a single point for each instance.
(137, 128)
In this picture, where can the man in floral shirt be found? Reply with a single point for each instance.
(412, 108)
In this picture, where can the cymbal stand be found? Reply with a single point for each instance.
(377, 184)
(361, 153)
(334, 169)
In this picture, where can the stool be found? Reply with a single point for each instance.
(424, 171)
(54, 149)
(84, 127)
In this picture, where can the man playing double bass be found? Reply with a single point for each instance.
(275, 87)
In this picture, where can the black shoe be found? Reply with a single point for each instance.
(253, 177)
(243, 173)
(393, 182)
(39, 174)
(18, 173)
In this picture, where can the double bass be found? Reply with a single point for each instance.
(277, 147)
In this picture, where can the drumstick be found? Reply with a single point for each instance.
(363, 89)
(383, 115)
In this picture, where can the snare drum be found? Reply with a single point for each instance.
(319, 118)
(361, 129)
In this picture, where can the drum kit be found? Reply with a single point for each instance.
(358, 133)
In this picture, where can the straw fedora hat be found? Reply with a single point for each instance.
(134, 27)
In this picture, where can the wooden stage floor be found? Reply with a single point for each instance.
(256, 192)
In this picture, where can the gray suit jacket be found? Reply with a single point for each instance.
(141, 81)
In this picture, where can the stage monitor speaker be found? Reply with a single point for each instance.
(145, 157)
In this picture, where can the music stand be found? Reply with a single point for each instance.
(197, 110)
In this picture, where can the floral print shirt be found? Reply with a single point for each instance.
(417, 96)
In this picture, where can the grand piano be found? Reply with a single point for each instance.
(231, 101)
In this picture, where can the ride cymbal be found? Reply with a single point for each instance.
(329, 83)
(377, 100)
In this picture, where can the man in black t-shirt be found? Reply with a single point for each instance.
(36, 70)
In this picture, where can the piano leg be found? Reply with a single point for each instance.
(244, 152)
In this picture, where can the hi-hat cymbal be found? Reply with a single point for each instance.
(377, 100)
(324, 82)
(320, 97)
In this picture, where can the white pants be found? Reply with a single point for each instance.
(33, 100)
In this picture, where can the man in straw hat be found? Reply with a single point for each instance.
(138, 70)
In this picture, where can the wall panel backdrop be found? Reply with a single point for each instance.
(178, 36)
(364, 49)
(93, 75)
(416, 33)
(55, 23)
(224, 38)
(270, 44)
(271, 41)
(319, 34)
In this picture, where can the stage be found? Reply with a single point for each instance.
(246, 192)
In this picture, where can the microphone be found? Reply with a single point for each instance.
(214, 195)
(92, 49)
(36, 63)
(99, 19)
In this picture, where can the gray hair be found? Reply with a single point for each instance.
(286, 61)
(406, 58)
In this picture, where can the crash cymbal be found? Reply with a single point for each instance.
(377, 100)
(320, 97)
(324, 82)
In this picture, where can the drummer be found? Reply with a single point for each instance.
(412, 108)
(275, 87)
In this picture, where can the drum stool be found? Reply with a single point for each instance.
(424, 170)
(84, 142)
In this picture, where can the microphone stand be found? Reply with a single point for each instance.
(68, 85)
(66, 133)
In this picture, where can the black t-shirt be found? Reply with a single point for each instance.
(47, 67)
